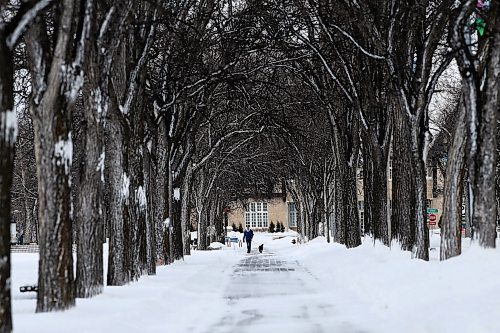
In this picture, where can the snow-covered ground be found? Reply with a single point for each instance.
(313, 287)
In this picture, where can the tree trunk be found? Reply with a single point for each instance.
(160, 187)
(186, 210)
(7, 141)
(481, 75)
(118, 185)
(138, 203)
(347, 228)
(421, 246)
(451, 239)
(403, 196)
(90, 227)
(53, 151)
(485, 213)
(375, 189)
(150, 220)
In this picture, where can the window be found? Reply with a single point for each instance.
(428, 173)
(361, 206)
(390, 169)
(292, 215)
(256, 215)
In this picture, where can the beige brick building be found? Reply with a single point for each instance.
(259, 213)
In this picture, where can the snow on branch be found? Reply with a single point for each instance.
(361, 48)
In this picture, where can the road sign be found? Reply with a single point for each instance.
(432, 210)
(432, 222)
(432, 217)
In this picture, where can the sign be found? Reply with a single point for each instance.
(432, 218)
(432, 210)
(432, 222)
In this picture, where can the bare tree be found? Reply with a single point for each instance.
(479, 69)
(57, 76)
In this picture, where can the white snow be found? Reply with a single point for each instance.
(63, 153)
(9, 122)
(125, 186)
(100, 164)
(141, 197)
(76, 76)
(313, 287)
(177, 194)
(215, 246)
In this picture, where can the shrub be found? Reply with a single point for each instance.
(271, 227)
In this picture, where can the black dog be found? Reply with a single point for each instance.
(261, 248)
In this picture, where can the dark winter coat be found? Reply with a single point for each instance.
(248, 235)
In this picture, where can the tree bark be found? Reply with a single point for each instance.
(485, 212)
(7, 141)
(54, 93)
(403, 195)
(118, 184)
(90, 226)
(451, 220)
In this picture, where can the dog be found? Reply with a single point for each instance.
(261, 248)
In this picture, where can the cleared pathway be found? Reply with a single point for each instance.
(269, 293)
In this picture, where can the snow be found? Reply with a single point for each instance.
(308, 287)
(63, 153)
(125, 186)
(141, 197)
(9, 122)
(215, 246)
(100, 164)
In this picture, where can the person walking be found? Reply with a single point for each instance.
(247, 237)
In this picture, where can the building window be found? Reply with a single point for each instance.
(256, 215)
(292, 215)
(361, 206)
(390, 169)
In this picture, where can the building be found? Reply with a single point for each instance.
(258, 213)
(435, 189)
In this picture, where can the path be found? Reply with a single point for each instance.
(269, 293)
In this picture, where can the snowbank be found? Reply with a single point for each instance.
(372, 288)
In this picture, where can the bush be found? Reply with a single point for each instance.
(240, 228)
(234, 227)
(271, 227)
(282, 228)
